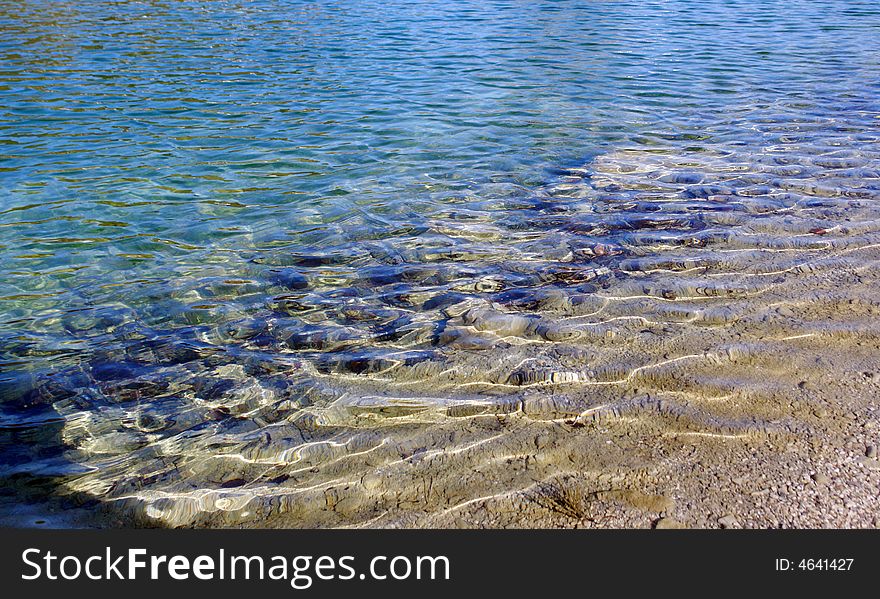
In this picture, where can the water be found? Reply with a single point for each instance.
(254, 255)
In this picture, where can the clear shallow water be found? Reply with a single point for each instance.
(240, 237)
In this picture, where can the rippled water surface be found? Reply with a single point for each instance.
(280, 263)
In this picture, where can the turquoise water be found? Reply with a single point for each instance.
(207, 201)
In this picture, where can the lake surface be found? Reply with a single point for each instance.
(254, 255)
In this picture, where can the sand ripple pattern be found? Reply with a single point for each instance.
(663, 286)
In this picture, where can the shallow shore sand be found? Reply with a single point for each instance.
(723, 378)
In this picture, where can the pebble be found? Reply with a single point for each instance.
(542, 440)
(728, 521)
(668, 524)
(821, 479)
(371, 481)
(871, 451)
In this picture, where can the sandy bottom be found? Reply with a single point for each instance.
(773, 423)
(699, 346)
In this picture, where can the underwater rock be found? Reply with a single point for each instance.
(29, 389)
(96, 320)
(557, 332)
(462, 338)
(288, 278)
(115, 443)
(114, 371)
(444, 300)
(240, 330)
(495, 321)
(294, 334)
(148, 421)
(524, 377)
(168, 350)
(549, 299)
(210, 388)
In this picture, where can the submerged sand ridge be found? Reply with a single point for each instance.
(673, 336)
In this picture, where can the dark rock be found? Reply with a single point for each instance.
(288, 278)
